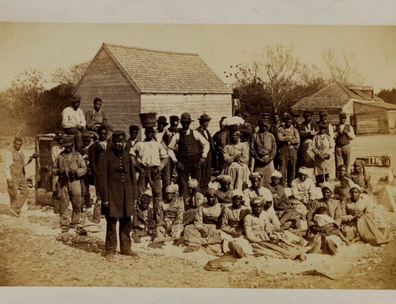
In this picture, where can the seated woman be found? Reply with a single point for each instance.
(236, 158)
(289, 218)
(143, 224)
(169, 213)
(326, 225)
(303, 193)
(192, 202)
(205, 230)
(360, 177)
(256, 189)
(359, 220)
(325, 244)
(224, 192)
(264, 236)
(232, 227)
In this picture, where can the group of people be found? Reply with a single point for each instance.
(223, 193)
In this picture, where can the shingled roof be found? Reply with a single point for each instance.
(334, 96)
(153, 71)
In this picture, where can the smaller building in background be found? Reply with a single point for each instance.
(367, 112)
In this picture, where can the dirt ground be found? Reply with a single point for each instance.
(31, 255)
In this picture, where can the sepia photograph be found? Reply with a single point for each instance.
(198, 155)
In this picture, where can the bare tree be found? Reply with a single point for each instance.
(342, 69)
(70, 76)
(27, 88)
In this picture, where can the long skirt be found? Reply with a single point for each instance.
(265, 171)
(193, 237)
(369, 232)
(239, 175)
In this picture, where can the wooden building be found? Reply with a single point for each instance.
(133, 80)
(367, 113)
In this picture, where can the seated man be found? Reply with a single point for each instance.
(143, 221)
(192, 202)
(256, 189)
(96, 117)
(232, 226)
(289, 218)
(73, 121)
(302, 191)
(169, 214)
(205, 231)
(266, 238)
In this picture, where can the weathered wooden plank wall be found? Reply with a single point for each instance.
(121, 102)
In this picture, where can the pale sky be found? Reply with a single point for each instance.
(48, 46)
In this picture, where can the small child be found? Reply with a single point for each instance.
(143, 221)
(323, 220)
(342, 191)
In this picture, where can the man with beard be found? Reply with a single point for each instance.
(115, 179)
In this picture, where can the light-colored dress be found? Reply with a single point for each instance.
(321, 145)
(365, 225)
(236, 159)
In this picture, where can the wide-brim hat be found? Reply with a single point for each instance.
(186, 117)
(148, 120)
(75, 98)
(204, 117)
(68, 140)
(307, 113)
(174, 118)
(162, 119)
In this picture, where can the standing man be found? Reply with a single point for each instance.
(163, 137)
(73, 121)
(263, 150)
(133, 133)
(288, 139)
(115, 181)
(14, 170)
(96, 117)
(95, 151)
(206, 173)
(343, 134)
(189, 159)
(295, 123)
(323, 120)
(220, 140)
(150, 158)
(276, 123)
(86, 179)
(70, 167)
(173, 129)
(56, 149)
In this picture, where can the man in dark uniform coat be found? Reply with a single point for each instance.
(210, 162)
(115, 180)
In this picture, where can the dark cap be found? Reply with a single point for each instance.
(233, 128)
(307, 113)
(288, 118)
(58, 135)
(323, 113)
(86, 135)
(119, 135)
(101, 128)
(265, 115)
(133, 128)
(174, 118)
(343, 115)
(75, 98)
(186, 117)
(264, 122)
(204, 117)
(162, 119)
(294, 114)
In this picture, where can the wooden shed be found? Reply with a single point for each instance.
(367, 113)
(133, 80)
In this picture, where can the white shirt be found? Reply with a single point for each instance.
(351, 133)
(8, 162)
(173, 145)
(71, 118)
(149, 153)
(303, 190)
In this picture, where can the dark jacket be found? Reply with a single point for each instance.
(94, 152)
(212, 150)
(117, 183)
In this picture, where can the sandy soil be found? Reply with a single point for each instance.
(31, 255)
